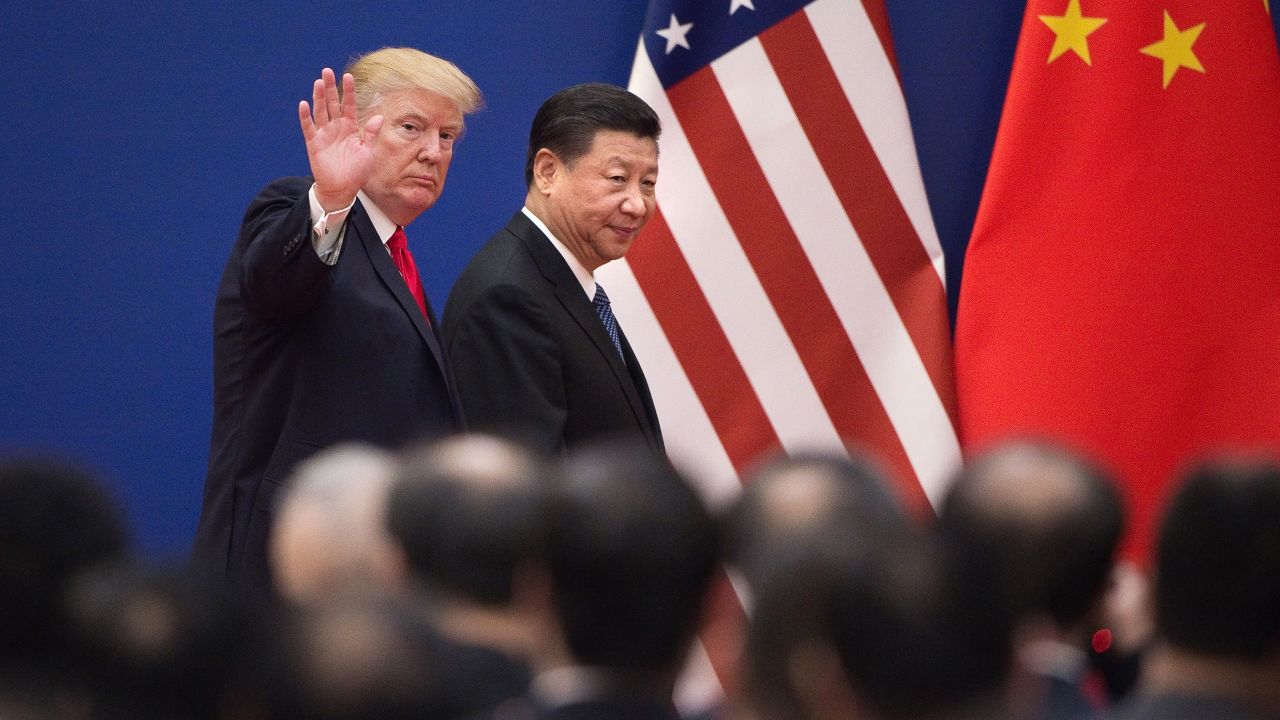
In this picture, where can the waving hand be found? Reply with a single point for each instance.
(340, 151)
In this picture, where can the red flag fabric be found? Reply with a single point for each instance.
(1120, 286)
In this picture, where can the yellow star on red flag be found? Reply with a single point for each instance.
(1072, 31)
(1175, 49)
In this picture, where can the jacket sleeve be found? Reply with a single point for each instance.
(281, 276)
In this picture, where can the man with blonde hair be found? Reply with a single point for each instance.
(322, 332)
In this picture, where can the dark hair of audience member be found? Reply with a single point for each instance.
(631, 554)
(568, 121)
(55, 522)
(1047, 519)
(789, 498)
(1218, 560)
(919, 632)
(467, 523)
(162, 644)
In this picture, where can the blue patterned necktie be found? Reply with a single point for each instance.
(605, 312)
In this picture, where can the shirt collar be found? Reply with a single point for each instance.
(381, 223)
(584, 276)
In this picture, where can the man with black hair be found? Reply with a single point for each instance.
(1048, 523)
(56, 523)
(1217, 598)
(533, 344)
(631, 553)
(792, 510)
(790, 498)
(894, 628)
(469, 516)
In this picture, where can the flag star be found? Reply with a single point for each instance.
(675, 34)
(735, 4)
(1175, 49)
(1072, 31)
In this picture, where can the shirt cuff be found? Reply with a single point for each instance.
(326, 228)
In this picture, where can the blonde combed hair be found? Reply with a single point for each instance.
(398, 69)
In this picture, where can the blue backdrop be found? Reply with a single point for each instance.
(138, 132)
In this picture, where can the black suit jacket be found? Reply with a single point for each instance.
(529, 354)
(307, 355)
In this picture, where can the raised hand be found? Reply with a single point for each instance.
(340, 151)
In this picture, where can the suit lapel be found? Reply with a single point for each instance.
(378, 256)
(569, 292)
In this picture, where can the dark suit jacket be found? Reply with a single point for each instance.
(306, 355)
(531, 357)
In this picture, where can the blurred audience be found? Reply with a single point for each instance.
(470, 517)
(899, 630)
(1048, 523)
(632, 550)
(791, 499)
(359, 657)
(471, 580)
(1217, 598)
(794, 511)
(330, 531)
(55, 523)
(162, 645)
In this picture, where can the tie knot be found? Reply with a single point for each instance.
(601, 298)
(398, 241)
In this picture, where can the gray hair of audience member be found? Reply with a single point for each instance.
(392, 70)
(359, 657)
(468, 513)
(330, 529)
(632, 550)
(791, 498)
(1218, 560)
(1047, 520)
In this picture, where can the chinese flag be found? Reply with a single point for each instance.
(1122, 286)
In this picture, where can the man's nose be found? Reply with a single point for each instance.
(431, 149)
(633, 202)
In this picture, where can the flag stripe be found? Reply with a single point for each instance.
(701, 346)
(878, 16)
(854, 52)
(783, 270)
(854, 171)
(840, 263)
(693, 444)
(697, 222)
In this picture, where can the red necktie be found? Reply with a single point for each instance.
(398, 244)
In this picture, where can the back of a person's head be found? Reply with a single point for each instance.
(631, 554)
(330, 532)
(1046, 519)
(160, 644)
(919, 632)
(790, 499)
(358, 657)
(55, 522)
(793, 589)
(469, 513)
(1218, 560)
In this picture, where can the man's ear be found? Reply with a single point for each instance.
(546, 169)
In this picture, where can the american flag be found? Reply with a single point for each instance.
(788, 292)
